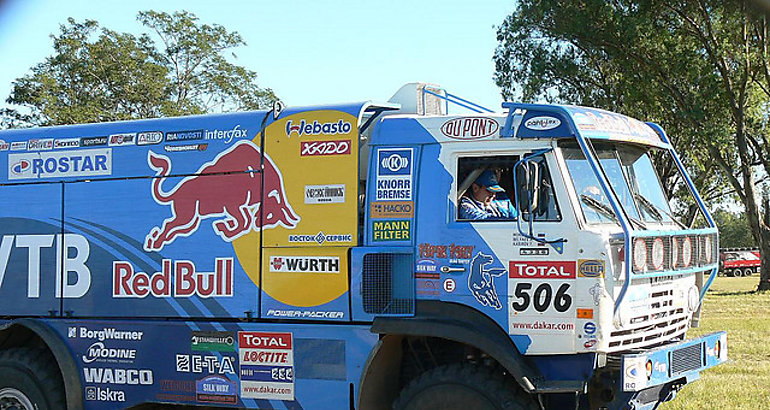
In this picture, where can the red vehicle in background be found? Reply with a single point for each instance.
(739, 261)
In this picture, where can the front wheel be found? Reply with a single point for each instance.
(29, 380)
(463, 386)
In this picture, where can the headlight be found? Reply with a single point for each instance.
(674, 253)
(693, 299)
(707, 250)
(686, 252)
(658, 254)
(640, 254)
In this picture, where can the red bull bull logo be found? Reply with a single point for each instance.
(229, 192)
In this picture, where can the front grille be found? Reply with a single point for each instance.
(658, 322)
(387, 286)
(686, 359)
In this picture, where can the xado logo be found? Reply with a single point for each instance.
(395, 162)
(313, 148)
(317, 128)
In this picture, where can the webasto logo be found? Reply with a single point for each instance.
(317, 128)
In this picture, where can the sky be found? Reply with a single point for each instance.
(308, 52)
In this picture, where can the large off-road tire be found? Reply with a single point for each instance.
(30, 380)
(463, 386)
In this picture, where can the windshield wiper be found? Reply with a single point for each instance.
(655, 211)
(607, 210)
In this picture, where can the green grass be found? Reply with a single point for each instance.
(744, 381)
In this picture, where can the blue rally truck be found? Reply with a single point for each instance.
(324, 258)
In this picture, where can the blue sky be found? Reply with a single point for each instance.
(308, 52)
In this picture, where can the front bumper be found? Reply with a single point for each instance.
(677, 361)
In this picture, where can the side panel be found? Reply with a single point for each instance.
(247, 365)
(158, 255)
(305, 264)
(31, 249)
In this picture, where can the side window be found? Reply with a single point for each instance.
(486, 190)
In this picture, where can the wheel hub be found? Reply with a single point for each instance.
(13, 399)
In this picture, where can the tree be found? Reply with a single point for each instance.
(734, 231)
(699, 67)
(97, 74)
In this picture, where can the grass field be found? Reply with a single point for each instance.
(744, 381)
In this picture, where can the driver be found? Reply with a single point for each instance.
(481, 202)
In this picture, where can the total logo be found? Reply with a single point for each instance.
(317, 128)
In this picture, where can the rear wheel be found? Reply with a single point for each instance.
(748, 271)
(30, 380)
(463, 386)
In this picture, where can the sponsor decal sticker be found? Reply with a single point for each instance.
(394, 209)
(117, 140)
(227, 136)
(426, 266)
(325, 194)
(4, 146)
(323, 148)
(589, 328)
(596, 293)
(212, 341)
(585, 313)
(205, 364)
(95, 393)
(304, 128)
(427, 287)
(216, 389)
(93, 141)
(449, 285)
(542, 123)
(394, 174)
(177, 279)
(481, 281)
(184, 135)
(98, 352)
(107, 333)
(266, 365)
(18, 146)
(186, 148)
(132, 377)
(305, 264)
(55, 164)
(590, 268)
(534, 251)
(40, 145)
(322, 238)
(589, 344)
(469, 128)
(305, 314)
(67, 143)
(149, 138)
(392, 230)
(542, 269)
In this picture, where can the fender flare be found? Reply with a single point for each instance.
(452, 322)
(69, 370)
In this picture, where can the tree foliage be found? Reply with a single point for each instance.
(96, 74)
(700, 68)
(734, 230)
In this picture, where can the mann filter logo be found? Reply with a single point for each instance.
(470, 128)
(392, 230)
(67, 143)
(316, 148)
(590, 268)
(40, 145)
(394, 174)
(212, 341)
(304, 128)
(542, 123)
(325, 194)
(117, 140)
(305, 264)
(55, 164)
(149, 138)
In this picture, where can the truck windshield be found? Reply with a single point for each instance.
(633, 177)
